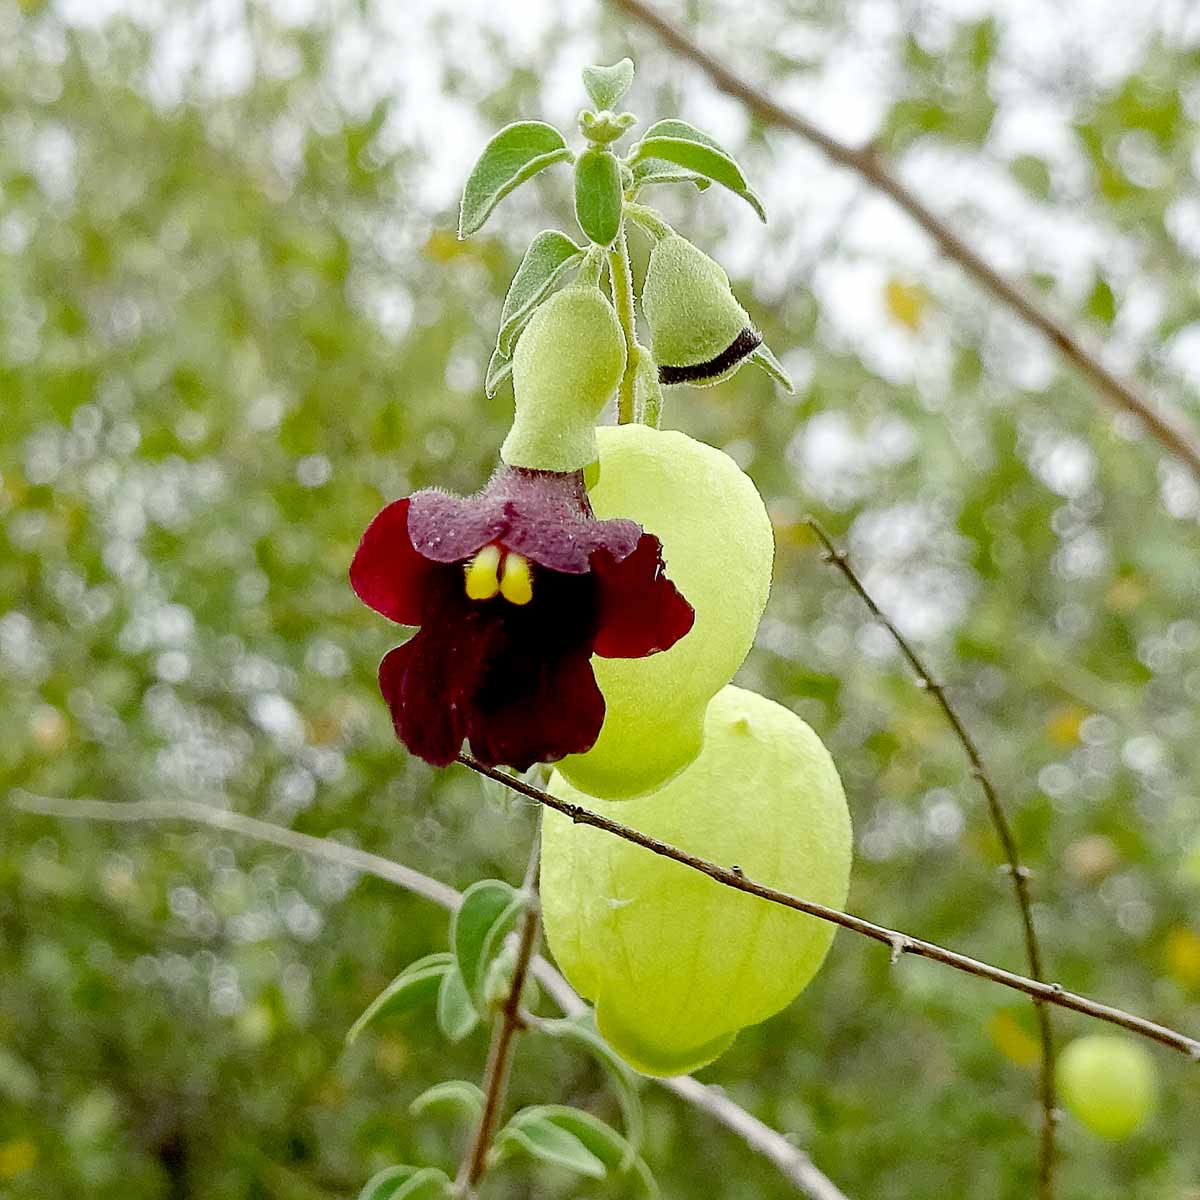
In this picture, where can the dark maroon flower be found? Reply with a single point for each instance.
(514, 590)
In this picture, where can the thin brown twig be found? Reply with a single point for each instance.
(1017, 871)
(899, 943)
(791, 1162)
(508, 1024)
(1166, 425)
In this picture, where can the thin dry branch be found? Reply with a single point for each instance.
(791, 1162)
(1166, 425)
(1018, 873)
(899, 943)
(508, 1025)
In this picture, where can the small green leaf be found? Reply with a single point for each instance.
(582, 1032)
(550, 255)
(657, 170)
(457, 1095)
(407, 1183)
(598, 1136)
(686, 146)
(499, 369)
(606, 85)
(761, 356)
(488, 911)
(547, 1142)
(456, 1015)
(598, 197)
(515, 154)
(416, 984)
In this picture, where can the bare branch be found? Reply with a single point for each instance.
(1052, 993)
(508, 1024)
(788, 1159)
(1167, 425)
(1000, 822)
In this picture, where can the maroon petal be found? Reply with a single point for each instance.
(431, 681)
(387, 572)
(641, 611)
(409, 679)
(544, 515)
(556, 711)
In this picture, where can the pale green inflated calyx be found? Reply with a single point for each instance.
(1109, 1084)
(719, 548)
(567, 364)
(675, 962)
(700, 334)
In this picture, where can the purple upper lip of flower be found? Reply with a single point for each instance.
(542, 515)
(512, 676)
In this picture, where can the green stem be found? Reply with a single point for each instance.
(622, 288)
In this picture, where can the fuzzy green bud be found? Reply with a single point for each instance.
(700, 333)
(719, 548)
(567, 364)
(675, 962)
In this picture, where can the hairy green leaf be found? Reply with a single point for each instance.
(549, 256)
(456, 1015)
(499, 369)
(686, 146)
(416, 984)
(658, 170)
(606, 85)
(598, 196)
(515, 154)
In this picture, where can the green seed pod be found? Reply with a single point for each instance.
(675, 962)
(700, 333)
(567, 364)
(718, 547)
(1108, 1084)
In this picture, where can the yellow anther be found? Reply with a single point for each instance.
(516, 582)
(482, 581)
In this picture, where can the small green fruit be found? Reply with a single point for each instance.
(1108, 1084)
(700, 333)
(675, 962)
(567, 364)
(718, 547)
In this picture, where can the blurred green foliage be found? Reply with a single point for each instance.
(233, 323)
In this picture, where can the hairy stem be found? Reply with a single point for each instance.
(622, 290)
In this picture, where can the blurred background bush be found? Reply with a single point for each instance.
(234, 320)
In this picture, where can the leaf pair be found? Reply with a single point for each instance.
(572, 1138)
(408, 1183)
(489, 910)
